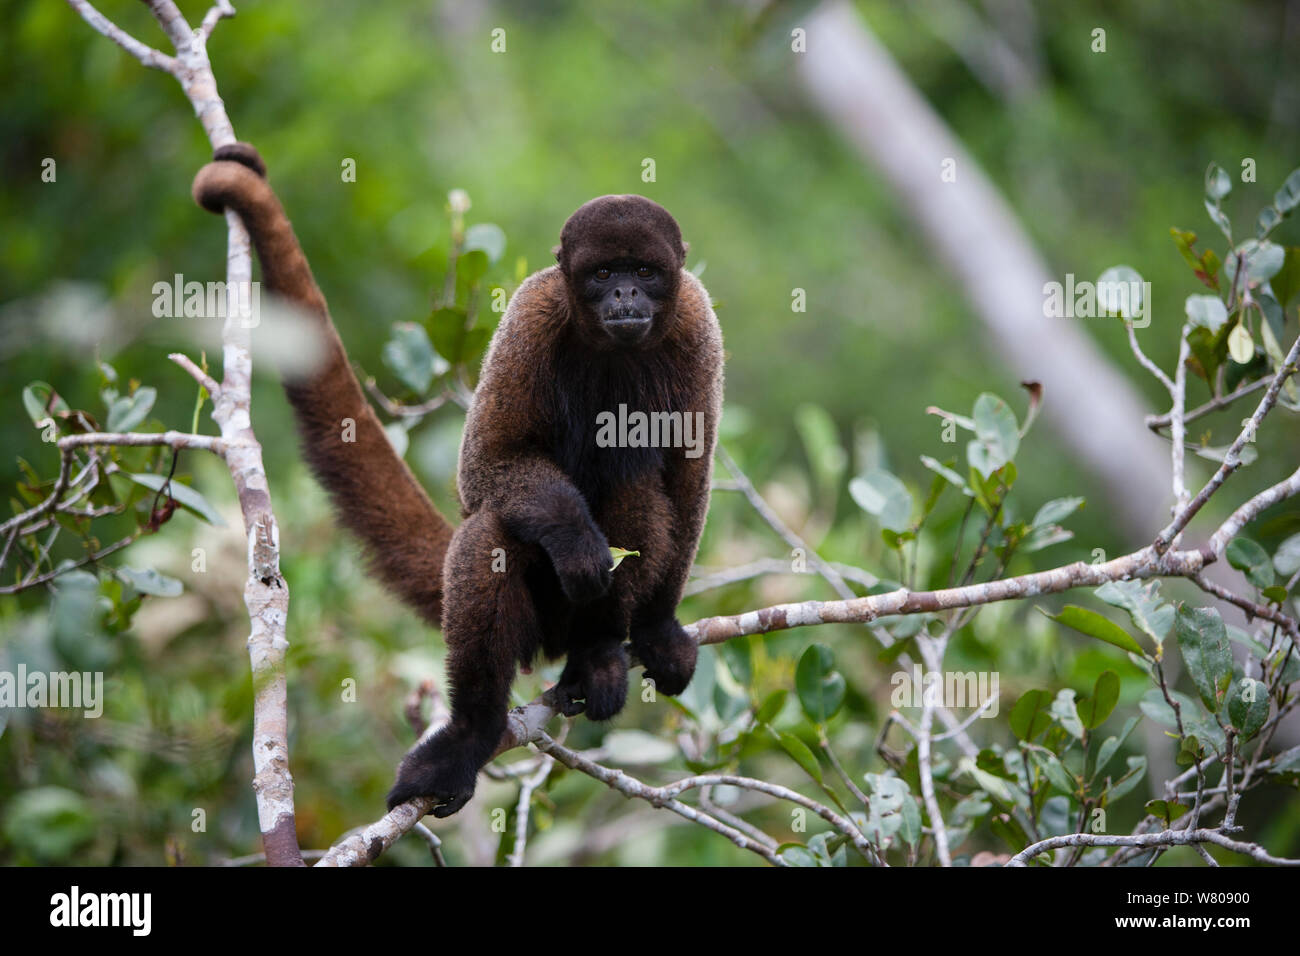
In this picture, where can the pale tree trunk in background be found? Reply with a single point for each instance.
(861, 91)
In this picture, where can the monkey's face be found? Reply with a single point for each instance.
(622, 258)
(625, 297)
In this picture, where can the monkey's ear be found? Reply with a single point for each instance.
(686, 247)
(556, 252)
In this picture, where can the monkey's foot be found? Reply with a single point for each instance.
(668, 654)
(597, 676)
(443, 767)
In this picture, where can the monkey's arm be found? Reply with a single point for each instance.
(504, 470)
(374, 493)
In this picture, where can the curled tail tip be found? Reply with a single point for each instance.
(227, 178)
(244, 153)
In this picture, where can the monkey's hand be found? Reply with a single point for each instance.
(667, 652)
(442, 767)
(582, 561)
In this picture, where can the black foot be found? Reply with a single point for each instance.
(668, 654)
(443, 767)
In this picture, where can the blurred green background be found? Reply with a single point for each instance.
(1101, 157)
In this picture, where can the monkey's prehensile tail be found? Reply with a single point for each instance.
(375, 495)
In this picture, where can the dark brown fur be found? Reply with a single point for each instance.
(534, 487)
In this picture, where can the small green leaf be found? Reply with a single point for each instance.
(883, 496)
(1031, 714)
(1206, 311)
(1217, 182)
(1094, 625)
(1248, 557)
(37, 396)
(1137, 768)
(997, 434)
(1119, 292)
(797, 749)
(1051, 767)
(618, 554)
(820, 688)
(796, 854)
(1206, 652)
(1148, 613)
(1094, 710)
(1066, 713)
(130, 410)
(1240, 344)
(1167, 810)
(410, 356)
(943, 471)
(1248, 706)
(149, 581)
(1111, 744)
(1286, 561)
(771, 707)
(1288, 196)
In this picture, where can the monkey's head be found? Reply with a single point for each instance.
(622, 258)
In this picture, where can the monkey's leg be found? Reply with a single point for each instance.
(595, 669)
(647, 520)
(490, 625)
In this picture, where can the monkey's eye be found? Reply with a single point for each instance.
(602, 274)
(645, 272)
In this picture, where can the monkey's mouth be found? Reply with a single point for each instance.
(627, 326)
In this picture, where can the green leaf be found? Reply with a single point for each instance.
(1240, 344)
(997, 435)
(1148, 613)
(1206, 311)
(883, 496)
(130, 410)
(996, 787)
(488, 237)
(910, 830)
(149, 581)
(410, 356)
(1218, 217)
(797, 749)
(185, 496)
(618, 554)
(943, 471)
(1217, 182)
(771, 707)
(1137, 767)
(1115, 288)
(1094, 625)
(819, 686)
(1167, 810)
(37, 396)
(1286, 284)
(1051, 767)
(1248, 706)
(1206, 652)
(1066, 713)
(1045, 529)
(1248, 557)
(1286, 561)
(796, 854)
(1031, 714)
(1111, 744)
(1288, 196)
(1094, 710)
